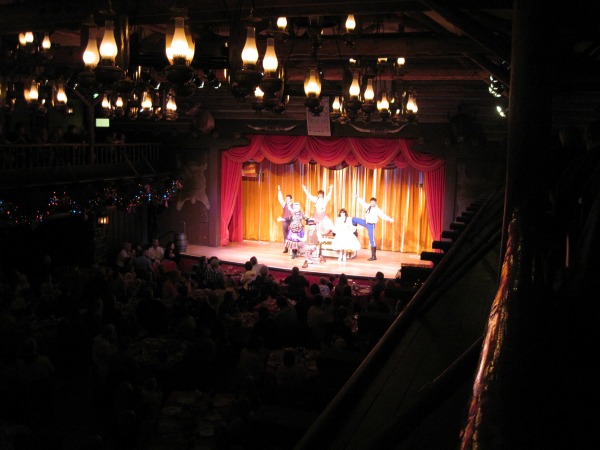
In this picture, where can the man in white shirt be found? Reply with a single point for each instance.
(372, 215)
(156, 252)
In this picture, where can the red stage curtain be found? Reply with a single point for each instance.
(371, 153)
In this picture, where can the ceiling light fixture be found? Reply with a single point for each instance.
(107, 72)
(180, 48)
(248, 77)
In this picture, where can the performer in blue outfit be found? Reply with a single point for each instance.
(372, 215)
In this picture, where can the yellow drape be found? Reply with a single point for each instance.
(399, 192)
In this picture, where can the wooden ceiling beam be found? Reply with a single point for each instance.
(493, 43)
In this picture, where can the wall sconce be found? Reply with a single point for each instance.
(103, 221)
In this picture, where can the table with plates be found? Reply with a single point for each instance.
(306, 358)
(361, 295)
(147, 351)
(195, 418)
(271, 305)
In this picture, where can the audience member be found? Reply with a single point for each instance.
(72, 135)
(266, 284)
(199, 272)
(104, 346)
(156, 252)
(341, 284)
(340, 328)
(316, 321)
(142, 265)
(19, 134)
(255, 265)
(578, 187)
(265, 329)
(296, 284)
(324, 287)
(172, 253)
(378, 285)
(286, 320)
(214, 277)
(291, 378)
(248, 276)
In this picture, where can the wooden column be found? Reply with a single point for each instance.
(530, 114)
(213, 191)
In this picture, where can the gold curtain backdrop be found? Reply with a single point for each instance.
(399, 192)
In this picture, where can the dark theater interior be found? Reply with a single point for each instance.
(272, 225)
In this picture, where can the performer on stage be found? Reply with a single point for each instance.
(372, 215)
(287, 213)
(324, 223)
(345, 240)
(312, 240)
(320, 201)
(296, 230)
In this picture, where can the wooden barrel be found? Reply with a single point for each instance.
(181, 242)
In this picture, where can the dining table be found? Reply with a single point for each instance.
(361, 294)
(306, 358)
(194, 419)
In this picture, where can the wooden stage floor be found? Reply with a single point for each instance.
(271, 254)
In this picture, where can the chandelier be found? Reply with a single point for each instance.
(375, 96)
(100, 61)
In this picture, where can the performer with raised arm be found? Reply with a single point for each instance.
(320, 200)
(372, 215)
(322, 220)
(286, 214)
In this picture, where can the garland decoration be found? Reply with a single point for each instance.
(125, 197)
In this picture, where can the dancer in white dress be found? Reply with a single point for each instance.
(345, 240)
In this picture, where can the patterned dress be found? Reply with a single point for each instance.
(295, 235)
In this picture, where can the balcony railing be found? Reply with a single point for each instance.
(26, 164)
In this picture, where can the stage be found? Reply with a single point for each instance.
(271, 254)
